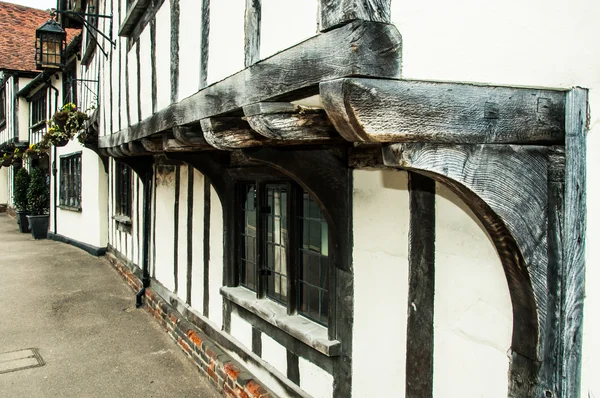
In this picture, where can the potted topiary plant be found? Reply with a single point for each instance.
(20, 198)
(38, 197)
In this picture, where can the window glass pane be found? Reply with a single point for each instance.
(248, 238)
(275, 248)
(313, 267)
(70, 181)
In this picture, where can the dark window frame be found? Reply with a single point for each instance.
(123, 193)
(38, 108)
(70, 181)
(293, 246)
(3, 106)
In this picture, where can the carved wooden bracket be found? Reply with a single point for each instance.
(230, 133)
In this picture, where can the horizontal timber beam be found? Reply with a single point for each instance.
(383, 110)
(359, 48)
(230, 133)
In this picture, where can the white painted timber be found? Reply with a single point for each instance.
(165, 226)
(182, 234)
(381, 226)
(163, 56)
(190, 26)
(319, 384)
(215, 312)
(197, 218)
(241, 331)
(145, 73)
(226, 39)
(285, 23)
(472, 307)
(274, 353)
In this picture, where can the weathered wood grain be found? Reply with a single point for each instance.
(337, 12)
(506, 187)
(284, 121)
(230, 133)
(191, 136)
(252, 18)
(172, 144)
(153, 145)
(574, 240)
(204, 34)
(372, 110)
(421, 287)
(366, 156)
(359, 48)
(175, 11)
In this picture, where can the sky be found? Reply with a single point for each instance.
(42, 4)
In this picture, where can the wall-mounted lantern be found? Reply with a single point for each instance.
(50, 45)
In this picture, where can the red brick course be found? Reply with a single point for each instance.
(211, 360)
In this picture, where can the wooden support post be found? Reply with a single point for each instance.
(574, 241)
(252, 32)
(338, 12)
(421, 288)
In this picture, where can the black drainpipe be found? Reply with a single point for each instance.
(54, 168)
(147, 183)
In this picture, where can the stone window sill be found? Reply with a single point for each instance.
(70, 208)
(303, 329)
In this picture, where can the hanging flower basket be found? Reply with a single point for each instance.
(7, 159)
(64, 125)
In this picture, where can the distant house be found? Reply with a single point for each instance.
(344, 198)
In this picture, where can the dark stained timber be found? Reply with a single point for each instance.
(421, 288)
(205, 26)
(230, 133)
(190, 234)
(574, 240)
(206, 244)
(190, 136)
(176, 229)
(360, 48)
(371, 110)
(338, 12)
(252, 32)
(287, 122)
(175, 10)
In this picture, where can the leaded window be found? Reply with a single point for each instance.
(123, 193)
(283, 247)
(38, 110)
(2, 106)
(70, 181)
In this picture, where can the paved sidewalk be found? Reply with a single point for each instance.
(81, 317)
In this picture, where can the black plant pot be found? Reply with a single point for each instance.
(39, 226)
(22, 221)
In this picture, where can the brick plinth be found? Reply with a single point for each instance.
(231, 379)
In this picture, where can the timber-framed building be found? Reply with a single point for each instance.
(307, 221)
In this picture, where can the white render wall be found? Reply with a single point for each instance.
(4, 185)
(380, 259)
(226, 39)
(535, 43)
(472, 307)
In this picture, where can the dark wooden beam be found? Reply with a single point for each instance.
(252, 32)
(152, 145)
(577, 120)
(371, 110)
(360, 48)
(506, 187)
(421, 288)
(230, 133)
(175, 11)
(172, 144)
(204, 34)
(190, 135)
(337, 12)
(288, 122)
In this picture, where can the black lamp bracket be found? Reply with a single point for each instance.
(82, 16)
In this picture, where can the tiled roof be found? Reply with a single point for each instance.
(17, 35)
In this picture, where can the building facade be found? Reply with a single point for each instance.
(346, 198)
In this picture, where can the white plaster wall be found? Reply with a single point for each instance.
(226, 39)
(3, 185)
(145, 73)
(472, 307)
(163, 56)
(535, 43)
(381, 217)
(182, 234)
(164, 227)
(197, 296)
(285, 23)
(90, 224)
(241, 331)
(274, 353)
(319, 384)
(133, 85)
(190, 27)
(215, 302)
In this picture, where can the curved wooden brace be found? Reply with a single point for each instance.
(152, 145)
(230, 133)
(506, 187)
(137, 149)
(288, 122)
(384, 110)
